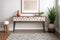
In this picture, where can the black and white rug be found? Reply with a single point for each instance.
(32, 36)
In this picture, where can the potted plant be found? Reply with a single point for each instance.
(51, 16)
(40, 14)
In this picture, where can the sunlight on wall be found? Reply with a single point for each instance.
(45, 4)
(58, 2)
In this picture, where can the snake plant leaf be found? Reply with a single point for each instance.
(52, 14)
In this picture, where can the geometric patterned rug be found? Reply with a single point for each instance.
(32, 36)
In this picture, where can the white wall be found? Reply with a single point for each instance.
(58, 8)
(8, 8)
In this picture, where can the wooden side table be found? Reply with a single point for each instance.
(6, 28)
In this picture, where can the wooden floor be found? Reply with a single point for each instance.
(3, 35)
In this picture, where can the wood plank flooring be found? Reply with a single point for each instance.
(3, 35)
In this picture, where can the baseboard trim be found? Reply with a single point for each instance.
(25, 29)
